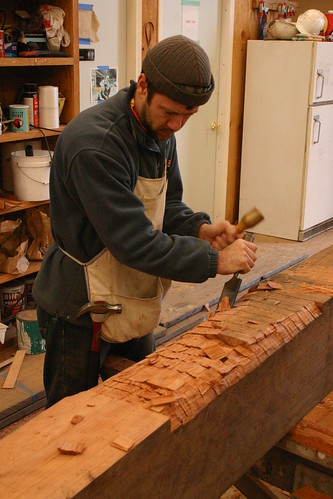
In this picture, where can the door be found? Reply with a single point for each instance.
(318, 198)
(322, 75)
(200, 139)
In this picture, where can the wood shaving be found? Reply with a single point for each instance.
(72, 448)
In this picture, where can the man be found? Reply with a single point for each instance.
(121, 230)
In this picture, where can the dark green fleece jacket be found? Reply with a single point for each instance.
(96, 163)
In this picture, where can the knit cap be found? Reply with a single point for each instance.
(180, 69)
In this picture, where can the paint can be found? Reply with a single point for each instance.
(2, 43)
(19, 114)
(28, 335)
(12, 299)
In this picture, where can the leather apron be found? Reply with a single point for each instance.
(140, 294)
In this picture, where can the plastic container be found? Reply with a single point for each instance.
(30, 98)
(31, 175)
(28, 335)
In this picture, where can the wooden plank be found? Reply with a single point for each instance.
(246, 28)
(311, 483)
(6, 363)
(14, 370)
(149, 25)
(198, 423)
(251, 487)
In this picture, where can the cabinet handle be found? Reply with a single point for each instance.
(316, 129)
(321, 79)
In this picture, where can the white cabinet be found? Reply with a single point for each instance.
(287, 151)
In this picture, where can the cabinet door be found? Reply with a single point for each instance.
(321, 89)
(318, 182)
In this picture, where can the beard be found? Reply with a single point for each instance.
(146, 119)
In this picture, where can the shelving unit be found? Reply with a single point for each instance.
(62, 72)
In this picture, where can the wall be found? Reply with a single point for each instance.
(111, 48)
(323, 5)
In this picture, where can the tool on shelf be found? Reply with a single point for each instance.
(231, 287)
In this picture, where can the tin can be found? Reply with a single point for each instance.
(2, 43)
(12, 299)
(19, 114)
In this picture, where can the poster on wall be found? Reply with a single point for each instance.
(104, 83)
(190, 19)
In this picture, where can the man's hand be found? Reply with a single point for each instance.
(219, 235)
(240, 256)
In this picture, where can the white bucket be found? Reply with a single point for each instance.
(28, 335)
(31, 175)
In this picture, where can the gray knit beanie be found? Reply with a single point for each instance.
(179, 68)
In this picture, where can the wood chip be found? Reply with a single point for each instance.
(77, 419)
(72, 448)
(269, 285)
(123, 443)
(164, 400)
(224, 304)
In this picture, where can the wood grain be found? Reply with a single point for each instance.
(196, 414)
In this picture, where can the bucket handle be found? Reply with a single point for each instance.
(34, 180)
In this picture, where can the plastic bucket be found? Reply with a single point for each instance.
(28, 335)
(31, 175)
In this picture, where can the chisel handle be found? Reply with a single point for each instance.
(250, 219)
(247, 237)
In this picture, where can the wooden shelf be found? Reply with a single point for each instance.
(273, 5)
(62, 72)
(32, 269)
(15, 62)
(32, 134)
(23, 205)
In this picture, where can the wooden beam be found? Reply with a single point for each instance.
(149, 25)
(196, 414)
(245, 28)
(252, 488)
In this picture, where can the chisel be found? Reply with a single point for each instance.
(231, 287)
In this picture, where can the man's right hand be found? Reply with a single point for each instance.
(240, 256)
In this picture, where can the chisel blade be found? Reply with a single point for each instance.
(230, 289)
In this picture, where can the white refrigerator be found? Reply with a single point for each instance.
(287, 149)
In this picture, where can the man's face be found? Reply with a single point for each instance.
(163, 116)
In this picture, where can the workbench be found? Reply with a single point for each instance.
(191, 419)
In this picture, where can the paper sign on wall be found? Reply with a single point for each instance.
(190, 19)
(104, 83)
(88, 24)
